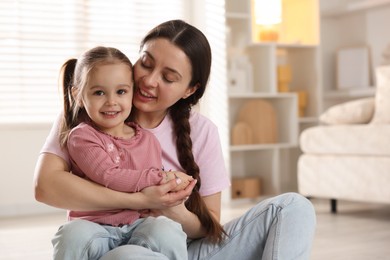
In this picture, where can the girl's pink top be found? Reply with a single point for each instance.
(206, 149)
(126, 165)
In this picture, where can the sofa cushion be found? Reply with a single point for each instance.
(347, 177)
(357, 111)
(382, 96)
(366, 139)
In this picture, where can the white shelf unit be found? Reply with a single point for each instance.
(349, 24)
(274, 163)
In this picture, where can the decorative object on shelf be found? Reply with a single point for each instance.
(249, 187)
(353, 68)
(268, 15)
(240, 74)
(302, 102)
(259, 117)
(242, 134)
(284, 77)
(283, 72)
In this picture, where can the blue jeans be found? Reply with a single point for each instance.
(277, 228)
(157, 238)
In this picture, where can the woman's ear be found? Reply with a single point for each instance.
(190, 91)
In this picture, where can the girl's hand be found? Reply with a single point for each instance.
(184, 179)
(163, 196)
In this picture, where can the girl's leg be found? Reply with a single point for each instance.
(133, 252)
(277, 228)
(82, 239)
(161, 235)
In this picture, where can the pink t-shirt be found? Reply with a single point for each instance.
(206, 149)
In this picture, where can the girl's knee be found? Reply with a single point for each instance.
(76, 230)
(77, 233)
(157, 232)
(80, 239)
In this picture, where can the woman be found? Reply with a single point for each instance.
(170, 77)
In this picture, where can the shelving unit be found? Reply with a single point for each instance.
(273, 163)
(351, 24)
(310, 46)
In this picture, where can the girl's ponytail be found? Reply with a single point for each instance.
(67, 73)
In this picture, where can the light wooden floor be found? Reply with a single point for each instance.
(357, 231)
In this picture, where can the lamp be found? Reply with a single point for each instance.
(268, 14)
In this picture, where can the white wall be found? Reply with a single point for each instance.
(19, 149)
(20, 144)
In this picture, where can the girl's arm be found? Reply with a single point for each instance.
(88, 151)
(56, 186)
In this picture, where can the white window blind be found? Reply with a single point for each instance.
(38, 36)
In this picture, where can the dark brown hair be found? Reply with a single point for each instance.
(75, 74)
(196, 46)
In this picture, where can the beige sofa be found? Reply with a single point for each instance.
(348, 156)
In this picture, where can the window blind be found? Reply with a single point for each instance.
(38, 36)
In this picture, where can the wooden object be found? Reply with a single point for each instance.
(302, 102)
(242, 134)
(249, 187)
(260, 117)
(284, 77)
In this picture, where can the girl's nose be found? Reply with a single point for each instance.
(111, 100)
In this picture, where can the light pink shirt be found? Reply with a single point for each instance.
(206, 149)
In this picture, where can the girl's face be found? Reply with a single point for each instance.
(162, 76)
(107, 96)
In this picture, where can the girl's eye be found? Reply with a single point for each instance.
(121, 92)
(98, 93)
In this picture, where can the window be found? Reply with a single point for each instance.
(38, 36)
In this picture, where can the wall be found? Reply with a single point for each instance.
(20, 146)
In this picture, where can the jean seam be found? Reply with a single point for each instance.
(88, 245)
(145, 239)
(279, 208)
(231, 237)
(277, 235)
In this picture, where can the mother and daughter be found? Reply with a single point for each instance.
(127, 203)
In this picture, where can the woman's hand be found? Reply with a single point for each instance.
(163, 196)
(172, 212)
(179, 213)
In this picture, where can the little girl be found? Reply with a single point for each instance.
(107, 149)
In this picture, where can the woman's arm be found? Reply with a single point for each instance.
(189, 221)
(57, 187)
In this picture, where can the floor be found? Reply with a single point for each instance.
(358, 231)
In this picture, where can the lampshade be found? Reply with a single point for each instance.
(268, 12)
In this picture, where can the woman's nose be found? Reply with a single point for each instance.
(151, 79)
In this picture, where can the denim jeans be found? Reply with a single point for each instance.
(281, 227)
(154, 238)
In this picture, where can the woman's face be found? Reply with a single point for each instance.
(161, 76)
